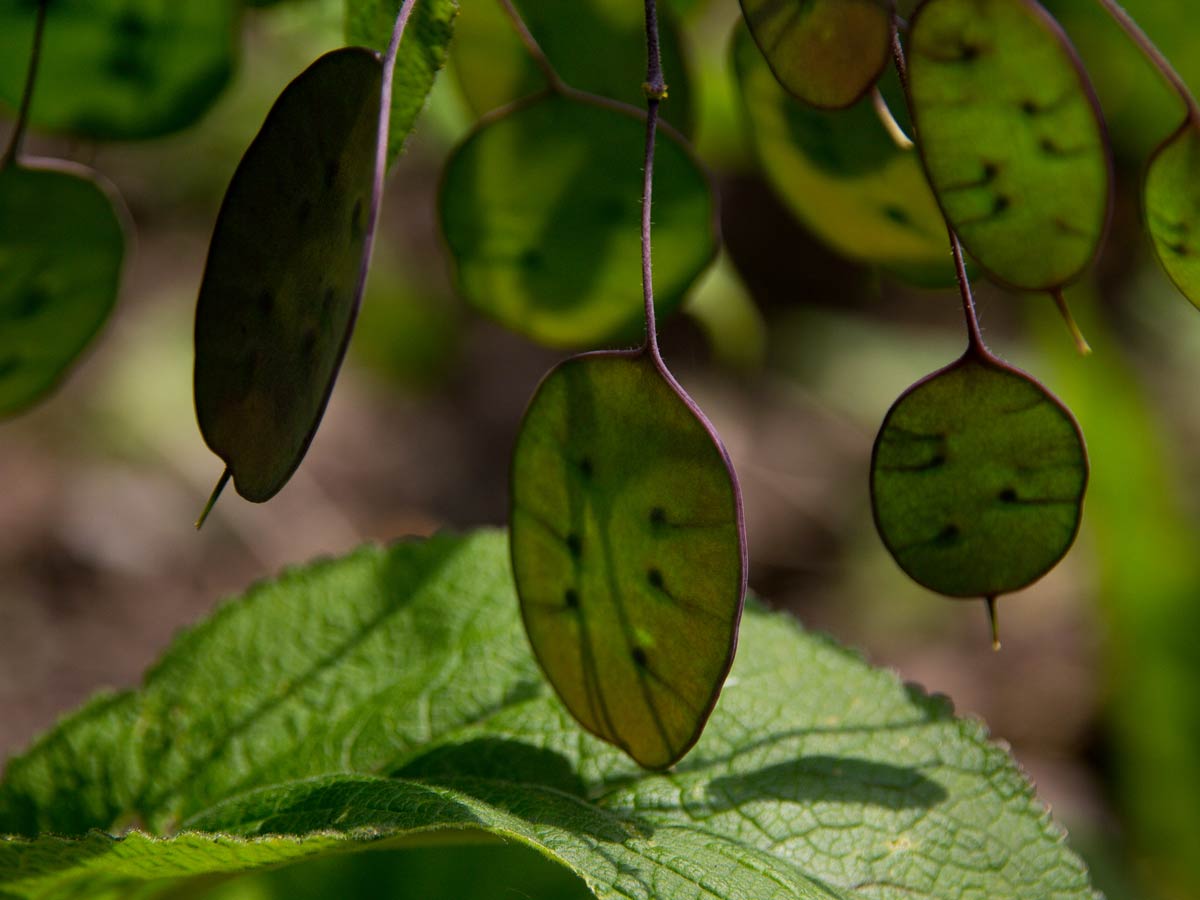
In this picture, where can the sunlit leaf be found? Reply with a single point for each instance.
(1011, 137)
(119, 69)
(1172, 200)
(843, 176)
(422, 54)
(285, 271)
(628, 552)
(977, 480)
(594, 45)
(61, 246)
(827, 53)
(540, 210)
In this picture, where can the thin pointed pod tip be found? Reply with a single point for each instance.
(1064, 310)
(212, 500)
(994, 623)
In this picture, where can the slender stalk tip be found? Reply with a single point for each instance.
(992, 621)
(1064, 310)
(212, 500)
(890, 125)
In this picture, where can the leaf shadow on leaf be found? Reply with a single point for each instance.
(514, 761)
(828, 779)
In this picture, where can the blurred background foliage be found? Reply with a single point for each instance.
(794, 343)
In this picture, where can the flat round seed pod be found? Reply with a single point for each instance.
(1172, 207)
(286, 269)
(540, 209)
(62, 241)
(977, 480)
(843, 176)
(593, 45)
(628, 551)
(120, 69)
(1011, 136)
(827, 53)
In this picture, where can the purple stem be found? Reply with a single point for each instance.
(1152, 53)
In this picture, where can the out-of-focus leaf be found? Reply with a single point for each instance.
(814, 770)
(540, 210)
(1011, 136)
(62, 242)
(596, 46)
(1172, 207)
(827, 53)
(422, 54)
(286, 269)
(843, 176)
(119, 69)
(628, 551)
(977, 480)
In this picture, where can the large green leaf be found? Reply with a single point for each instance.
(1172, 207)
(843, 175)
(977, 479)
(628, 551)
(827, 53)
(393, 691)
(596, 46)
(286, 270)
(540, 210)
(62, 242)
(119, 69)
(1011, 136)
(422, 54)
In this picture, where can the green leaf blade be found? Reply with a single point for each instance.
(977, 480)
(286, 269)
(628, 552)
(540, 209)
(1171, 199)
(817, 776)
(421, 56)
(120, 69)
(62, 245)
(826, 53)
(1012, 138)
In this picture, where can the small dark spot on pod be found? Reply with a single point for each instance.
(531, 259)
(897, 214)
(948, 535)
(990, 171)
(1002, 203)
(968, 52)
(658, 516)
(575, 544)
(639, 657)
(32, 303)
(1029, 108)
(356, 219)
(310, 342)
(328, 298)
(571, 598)
(1180, 249)
(8, 365)
(585, 467)
(331, 172)
(1009, 495)
(654, 576)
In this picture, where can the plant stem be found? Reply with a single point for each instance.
(535, 50)
(1154, 55)
(656, 89)
(18, 135)
(212, 498)
(888, 121)
(975, 344)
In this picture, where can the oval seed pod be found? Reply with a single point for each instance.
(977, 479)
(826, 53)
(286, 269)
(1172, 207)
(628, 550)
(1012, 138)
(62, 242)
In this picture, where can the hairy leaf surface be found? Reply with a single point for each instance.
(421, 57)
(977, 480)
(827, 53)
(1011, 136)
(287, 708)
(119, 69)
(1172, 207)
(596, 46)
(843, 176)
(628, 551)
(286, 269)
(540, 210)
(62, 242)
